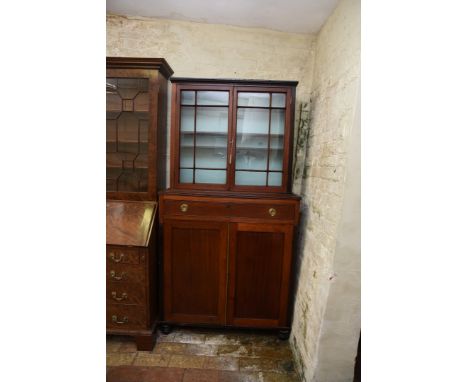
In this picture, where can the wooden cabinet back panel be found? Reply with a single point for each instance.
(194, 267)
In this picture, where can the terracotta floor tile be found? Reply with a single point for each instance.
(119, 359)
(258, 364)
(128, 346)
(279, 377)
(125, 374)
(236, 376)
(187, 361)
(272, 351)
(162, 374)
(193, 375)
(202, 355)
(190, 338)
(235, 350)
(224, 339)
(221, 363)
(184, 349)
(165, 337)
(112, 345)
(150, 359)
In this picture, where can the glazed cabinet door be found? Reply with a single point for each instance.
(195, 271)
(259, 270)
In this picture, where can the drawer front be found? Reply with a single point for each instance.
(188, 207)
(126, 317)
(121, 273)
(122, 255)
(125, 293)
(266, 211)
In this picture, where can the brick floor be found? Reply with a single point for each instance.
(199, 355)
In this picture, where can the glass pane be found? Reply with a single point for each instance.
(252, 121)
(277, 121)
(276, 152)
(186, 150)
(186, 176)
(127, 106)
(128, 88)
(210, 176)
(253, 99)
(275, 178)
(211, 151)
(251, 159)
(212, 98)
(252, 141)
(249, 178)
(278, 100)
(188, 97)
(212, 119)
(187, 118)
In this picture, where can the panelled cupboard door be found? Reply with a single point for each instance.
(259, 271)
(195, 271)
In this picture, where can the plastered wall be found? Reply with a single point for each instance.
(336, 78)
(215, 51)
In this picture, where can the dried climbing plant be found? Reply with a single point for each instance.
(302, 138)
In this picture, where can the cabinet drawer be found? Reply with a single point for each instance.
(188, 207)
(125, 293)
(121, 273)
(263, 211)
(116, 255)
(126, 316)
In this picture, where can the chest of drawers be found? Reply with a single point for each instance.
(131, 270)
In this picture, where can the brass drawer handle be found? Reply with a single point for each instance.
(114, 296)
(184, 207)
(116, 321)
(116, 260)
(115, 277)
(272, 212)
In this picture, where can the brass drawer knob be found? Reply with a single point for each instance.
(116, 260)
(114, 296)
(272, 212)
(184, 207)
(114, 276)
(116, 321)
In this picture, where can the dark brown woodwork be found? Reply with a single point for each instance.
(131, 270)
(157, 72)
(194, 269)
(258, 251)
(129, 224)
(228, 249)
(233, 87)
(259, 269)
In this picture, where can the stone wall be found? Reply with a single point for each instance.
(336, 78)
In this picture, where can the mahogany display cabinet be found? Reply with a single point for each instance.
(136, 135)
(229, 216)
(136, 128)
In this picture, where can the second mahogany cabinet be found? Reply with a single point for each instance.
(229, 217)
